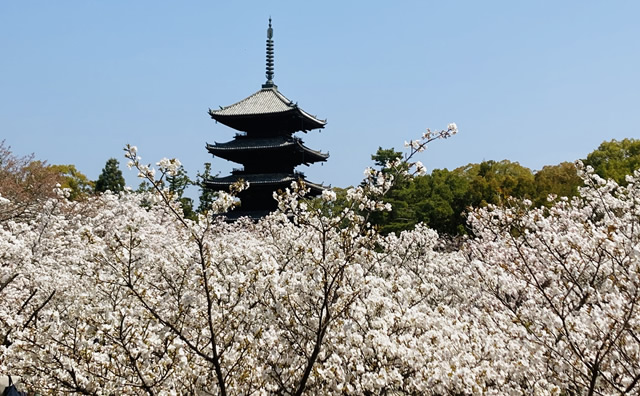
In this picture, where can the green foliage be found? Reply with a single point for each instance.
(187, 208)
(78, 184)
(402, 216)
(111, 177)
(441, 199)
(178, 182)
(561, 180)
(333, 208)
(144, 186)
(615, 159)
(207, 196)
(444, 199)
(384, 156)
(492, 182)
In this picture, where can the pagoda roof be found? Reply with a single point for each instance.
(267, 102)
(247, 144)
(264, 179)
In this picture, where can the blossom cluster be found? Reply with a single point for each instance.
(116, 295)
(565, 281)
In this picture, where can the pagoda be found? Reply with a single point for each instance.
(265, 145)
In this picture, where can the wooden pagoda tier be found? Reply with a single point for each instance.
(286, 152)
(263, 181)
(266, 147)
(257, 201)
(266, 113)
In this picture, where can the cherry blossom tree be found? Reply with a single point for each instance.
(120, 293)
(565, 282)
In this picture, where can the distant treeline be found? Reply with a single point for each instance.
(442, 198)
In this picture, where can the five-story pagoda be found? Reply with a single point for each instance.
(265, 145)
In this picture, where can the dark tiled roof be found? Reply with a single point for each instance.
(262, 179)
(244, 143)
(255, 178)
(265, 101)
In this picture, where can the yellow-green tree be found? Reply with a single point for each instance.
(78, 184)
(615, 159)
(561, 180)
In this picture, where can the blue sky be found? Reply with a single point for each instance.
(534, 82)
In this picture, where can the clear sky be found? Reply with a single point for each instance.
(538, 82)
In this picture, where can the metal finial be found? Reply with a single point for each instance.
(269, 74)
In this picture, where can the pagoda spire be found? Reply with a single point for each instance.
(269, 83)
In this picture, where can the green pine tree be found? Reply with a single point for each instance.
(178, 182)
(111, 177)
(207, 195)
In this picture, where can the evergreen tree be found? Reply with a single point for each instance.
(207, 195)
(402, 216)
(145, 187)
(111, 177)
(384, 156)
(187, 208)
(177, 184)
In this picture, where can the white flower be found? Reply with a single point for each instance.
(170, 166)
(420, 168)
(328, 195)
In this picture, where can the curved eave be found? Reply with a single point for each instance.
(303, 154)
(266, 106)
(312, 155)
(245, 144)
(289, 121)
(315, 189)
(319, 123)
(263, 181)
